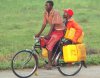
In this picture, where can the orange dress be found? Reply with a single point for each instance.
(72, 24)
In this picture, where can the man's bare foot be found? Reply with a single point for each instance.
(48, 67)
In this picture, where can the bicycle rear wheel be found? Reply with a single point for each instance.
(68, 69)
(24, 63)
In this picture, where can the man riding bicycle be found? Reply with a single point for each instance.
(53, 18)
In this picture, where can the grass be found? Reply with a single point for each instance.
(20, 18)
(93, 59)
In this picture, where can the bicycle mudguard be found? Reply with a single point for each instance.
(84, 64)
(28, 50)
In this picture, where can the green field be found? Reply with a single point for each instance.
(20, 18)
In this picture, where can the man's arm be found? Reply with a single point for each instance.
(78, 31)
(43, 27)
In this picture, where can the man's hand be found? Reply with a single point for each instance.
(37, 35)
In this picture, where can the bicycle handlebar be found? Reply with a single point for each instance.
(36, 39)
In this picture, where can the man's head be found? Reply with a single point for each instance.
(49, 5)
(68, 13)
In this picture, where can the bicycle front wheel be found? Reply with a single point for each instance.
(68, 69)
(24, 63)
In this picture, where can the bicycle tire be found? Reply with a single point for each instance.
(16, 56)
(62, 71)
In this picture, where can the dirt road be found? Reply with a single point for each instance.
(90, 72)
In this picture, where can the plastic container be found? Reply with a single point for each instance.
(42, 42)
(73, 53)
(81, 52)
(70, 53)
(44, 52)
(70, 35)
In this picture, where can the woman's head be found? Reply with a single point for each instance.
(68, 13)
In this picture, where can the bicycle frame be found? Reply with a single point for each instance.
(57, 59)
(56, 53)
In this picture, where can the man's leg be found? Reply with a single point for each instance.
(51, 43)
(55, 37)
(50, 58)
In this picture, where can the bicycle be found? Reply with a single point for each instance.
(26, 59)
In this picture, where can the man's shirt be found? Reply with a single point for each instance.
(53, 18)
